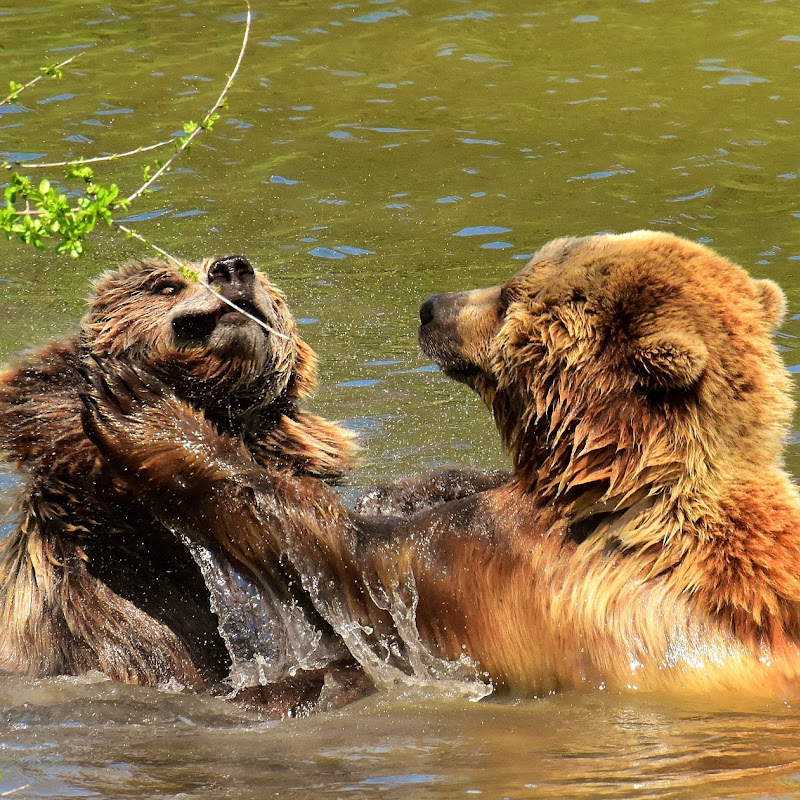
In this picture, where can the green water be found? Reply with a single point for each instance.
(374, 153)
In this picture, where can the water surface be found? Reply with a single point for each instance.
(374, 153)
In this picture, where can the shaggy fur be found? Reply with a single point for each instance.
(649, 536)
(90, 580)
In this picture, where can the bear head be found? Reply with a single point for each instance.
(227, 343)
(619, 367)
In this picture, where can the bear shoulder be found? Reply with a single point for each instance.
(40, 406)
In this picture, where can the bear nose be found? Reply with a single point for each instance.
(230, 270)
(426, 312)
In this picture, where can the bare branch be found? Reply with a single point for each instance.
(110, 194)
(138, 236)
(202, 126)
(80, 161)
(14, 791)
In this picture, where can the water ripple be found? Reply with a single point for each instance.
(378, 16)
(482, 230)
(695, 196)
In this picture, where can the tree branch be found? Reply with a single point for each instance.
(54, 71)
(80, 161)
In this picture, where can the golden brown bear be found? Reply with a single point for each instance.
(90, 580)
(649, 536)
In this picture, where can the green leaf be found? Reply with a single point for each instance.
(189, 273)
(80, 172)
(209, 123)
(53, 70)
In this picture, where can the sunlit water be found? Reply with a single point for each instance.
(374, 153)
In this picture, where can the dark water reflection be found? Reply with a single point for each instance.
(375, 153)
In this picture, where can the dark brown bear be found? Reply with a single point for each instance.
(649, 537)
(90, 580)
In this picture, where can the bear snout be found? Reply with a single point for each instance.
(234, 278)
(231, 272)
(426, 310)
(456, 328)
(442, 310)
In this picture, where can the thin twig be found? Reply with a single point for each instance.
(164, 167)
(182, 265)
(81, 161)
(125, 229)
(14, 95)
(188, 140)
(14, 791)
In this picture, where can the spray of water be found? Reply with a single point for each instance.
(267, 636)
(400, 657)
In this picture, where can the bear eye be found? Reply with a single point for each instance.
(165, 288)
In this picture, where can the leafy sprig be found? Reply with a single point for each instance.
(49, 212)
(35, 213)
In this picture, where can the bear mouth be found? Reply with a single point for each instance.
(440, 350)
(196, 328)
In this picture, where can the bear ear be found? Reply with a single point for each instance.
(673, 360)
(772, 300)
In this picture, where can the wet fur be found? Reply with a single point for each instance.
(649, 536)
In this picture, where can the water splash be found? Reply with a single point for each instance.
(268, 635)
(399, 657)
